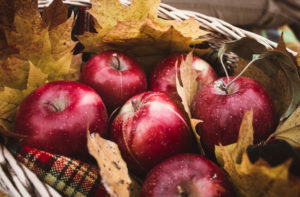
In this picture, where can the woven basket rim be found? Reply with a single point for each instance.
(166, 11)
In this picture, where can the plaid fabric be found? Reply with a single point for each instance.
(69, 177)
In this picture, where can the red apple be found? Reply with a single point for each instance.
(55, 118)
(150, 128)
(115, 76)
(186, 175)
(163, 76)
(222, 112)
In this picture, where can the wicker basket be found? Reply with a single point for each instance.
(17, 180)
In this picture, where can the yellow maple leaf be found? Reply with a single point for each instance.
(10, 98)
(14, 71)
(37, 49)
(46, 42)
(137, 30)
(109, 12)
(259, 178)
(113, 169)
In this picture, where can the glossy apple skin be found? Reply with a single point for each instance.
(186, 175)
(114, 85)
(163, 76)
(150, 128)
(222, 113)
(61, 131)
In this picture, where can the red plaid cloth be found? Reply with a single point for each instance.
(69, 177)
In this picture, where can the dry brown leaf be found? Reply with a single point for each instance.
(55, 14)
(281, 98)
(281, 46)
(60, 38)
(275, 69)
(37, 50)
(113, 170)
(10, 98)
(259, 178)
(245, 137)
(6, 19)
(14, 71)
(137, 30)
(109, 12)
(6, 13)
(219, 155)
(194, 123)
(186, 85)
(47, 44)
(74, 72)
(290, 129)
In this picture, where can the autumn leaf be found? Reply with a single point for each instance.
(38, 49)
(289, 130)
(74, 71)
(46, 42)
(282, 48)
(245, 139)
(275, 69)
(259, 178)
(6, 19)
(55, 14)
(245, 136)
(10, 98)
(109, 12)
(220, 156)
(113, 169)
(14, 71)
(137, 30)
(186, 85)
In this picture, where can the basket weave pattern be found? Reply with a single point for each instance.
(207, 22)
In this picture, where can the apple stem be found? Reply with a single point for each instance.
(224, 67)
(181, 191)
(118, 61)
(134, 105)
(242, 72)
(55, 109)
(222, 85)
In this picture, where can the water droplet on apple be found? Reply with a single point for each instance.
(214, 176)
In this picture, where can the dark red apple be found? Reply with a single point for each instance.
(222, 112)
(163, 76)
(115, 76)
(186, 175)
(150, 128)
(55, 118)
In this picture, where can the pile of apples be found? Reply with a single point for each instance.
(148, 122)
